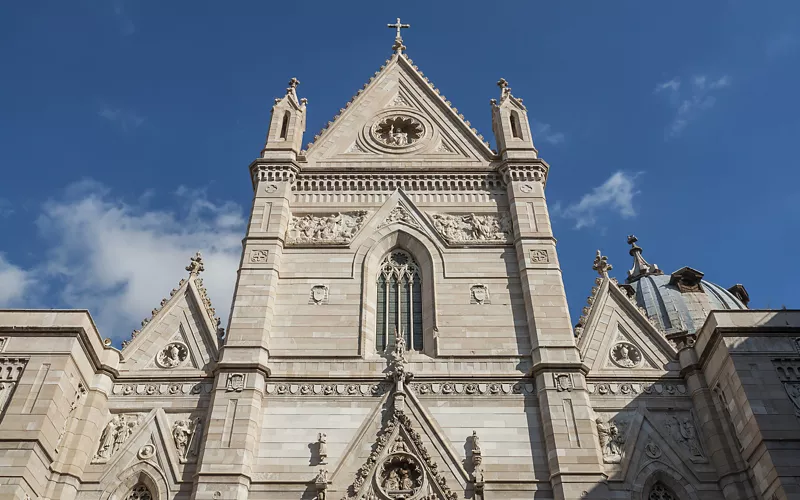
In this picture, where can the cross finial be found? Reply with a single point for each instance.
(195, 266)
(293, 83)
(398, 39)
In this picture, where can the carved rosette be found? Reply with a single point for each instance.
(397, 131)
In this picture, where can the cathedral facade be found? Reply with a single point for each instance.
(400, 331)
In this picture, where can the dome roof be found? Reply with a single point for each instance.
(680, 301)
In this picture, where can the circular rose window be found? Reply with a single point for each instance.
(398, 131)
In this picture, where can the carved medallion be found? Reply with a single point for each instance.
(397, 131)
(399, 476)
(539, 256)
(172, 355)
(652, 450)
(147, 451)
(626, 355)
(259, 256)
(563, 381)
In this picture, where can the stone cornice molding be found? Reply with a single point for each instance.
(272, 171)
(381, 180)
(535, 170)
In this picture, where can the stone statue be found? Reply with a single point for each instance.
(114, 435)
(690, 435)
(476, 445)
(392, 481)
(182, 434)
(405, 480)
(323, 447)
(611, 440)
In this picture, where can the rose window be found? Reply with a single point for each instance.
(398, 131)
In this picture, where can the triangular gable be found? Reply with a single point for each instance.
(399, 89)
(617, 338)
(180, 338)
(150, 441)
(643, 443)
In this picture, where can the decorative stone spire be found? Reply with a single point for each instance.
(640, 267)
(398, 39)
(601, 265)
(505, 90)
(195, 267)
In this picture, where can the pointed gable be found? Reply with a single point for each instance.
(182, 334)
(399, 115)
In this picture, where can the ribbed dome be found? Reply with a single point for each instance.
(675, 310)
(680, 301)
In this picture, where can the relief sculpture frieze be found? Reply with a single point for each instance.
(473, 228)
(332, 229)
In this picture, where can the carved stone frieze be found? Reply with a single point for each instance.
(435, 182)
(400, 214)
(473, 228)
(680, 428)
(338, 228)
(636, 388)
(327, 389)
(115, 434)
(162, 389)
(611, 434)
(487, 388)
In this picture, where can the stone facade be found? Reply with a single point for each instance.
(400, 330)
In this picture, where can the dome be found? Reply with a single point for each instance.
(681, 300)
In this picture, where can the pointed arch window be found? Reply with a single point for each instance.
(285, 125)
(399, 304)
(661, 492)
(140, 492)
(515, 128)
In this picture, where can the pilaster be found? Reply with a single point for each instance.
(570, 433)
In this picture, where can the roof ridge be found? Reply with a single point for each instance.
(421, 75)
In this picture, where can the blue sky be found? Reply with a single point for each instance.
(126, 129)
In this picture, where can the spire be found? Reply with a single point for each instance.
(640, 267)
(398, 39)
(601, 265)
(195, 266)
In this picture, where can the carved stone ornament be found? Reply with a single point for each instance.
(271, 188)
(652, 450)
(681, 429)
(186, 434)
(397, 131)
(139, 492)
(114, 435)
(563, 381)
(3, 342)
(400, 475)
(338, 228)
(526, 188)
(626, 355)
(172, 355)
(612, 438)
(234, 382)
(539, 256)
(322, 447)
(469, 228)
(258, 256)
(793, 391)
(146, 452)
(400, 214)
(479, 294)
(319, 294)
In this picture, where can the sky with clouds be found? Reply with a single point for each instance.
(127, 128)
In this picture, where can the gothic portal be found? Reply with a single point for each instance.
(400, 331)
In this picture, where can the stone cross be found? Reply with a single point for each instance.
(398, 25)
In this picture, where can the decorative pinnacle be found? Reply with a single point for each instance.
(601, 265)
(293, 83)
(398, 39)
(195, 266)
(640, 267)
(505, 90)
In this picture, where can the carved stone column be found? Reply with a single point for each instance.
(565, 410)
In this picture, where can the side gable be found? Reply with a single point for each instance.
(180, 339)
(617, 337)
(399, 90)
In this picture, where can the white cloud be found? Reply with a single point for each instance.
(544, 132)
(692, 101)
(125, 119)
(119, 259)
(15, 284)
(614, 195)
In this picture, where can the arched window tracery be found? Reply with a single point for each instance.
(140, 492)
(659, 491)
(399, 304)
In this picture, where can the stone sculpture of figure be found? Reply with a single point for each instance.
(690, 435)
(323, 446)
(107, 438)
(392, 481)
(405, 480)
(197, 434)
(182, 434)
(610, 441)
(399, 445)
(476, 445)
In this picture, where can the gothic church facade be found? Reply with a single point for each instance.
(400, 331)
